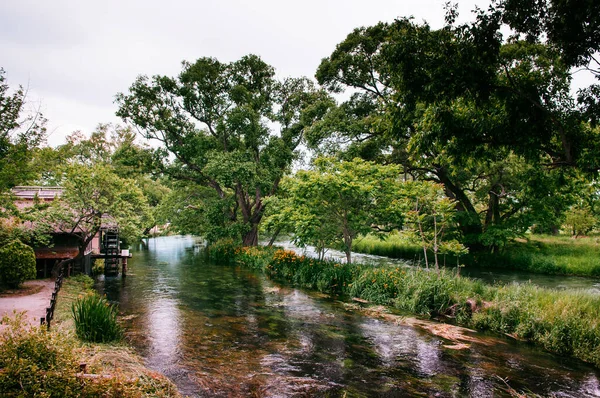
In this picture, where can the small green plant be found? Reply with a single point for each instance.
(17, 264)
(96, 319)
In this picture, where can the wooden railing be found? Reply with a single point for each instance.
(47, 320)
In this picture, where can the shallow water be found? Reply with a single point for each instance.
(222, 331)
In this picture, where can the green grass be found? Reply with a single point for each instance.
(566, 323)
(96, 319)
(560, 255)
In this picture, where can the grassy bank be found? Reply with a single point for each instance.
(561, 322)
(560, 255)
(38, 362)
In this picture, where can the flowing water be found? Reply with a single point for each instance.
(225, 331)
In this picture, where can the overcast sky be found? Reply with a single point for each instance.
(76, 55)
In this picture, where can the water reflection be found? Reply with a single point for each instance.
(225, 331)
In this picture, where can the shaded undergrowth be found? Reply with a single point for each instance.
(566, 323)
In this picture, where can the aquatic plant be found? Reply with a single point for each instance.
(95, 319)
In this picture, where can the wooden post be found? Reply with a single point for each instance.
(124, 263)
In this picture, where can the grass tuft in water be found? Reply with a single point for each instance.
(96, 319)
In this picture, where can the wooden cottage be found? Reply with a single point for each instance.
(105, 244)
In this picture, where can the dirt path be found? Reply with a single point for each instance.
(34, 303)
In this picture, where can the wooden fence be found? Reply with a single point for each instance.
(57, 285)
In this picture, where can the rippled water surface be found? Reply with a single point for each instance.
(225, 331)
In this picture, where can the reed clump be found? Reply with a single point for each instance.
(96, 319)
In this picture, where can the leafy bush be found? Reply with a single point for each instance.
(36, 362)
(96, 319)
(223, 250)
(17, 264)
(253, 256)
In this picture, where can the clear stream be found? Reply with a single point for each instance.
(225, 331)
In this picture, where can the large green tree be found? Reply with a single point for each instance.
(230, 127)
(486, 118)
(114, 147)
(93, 197)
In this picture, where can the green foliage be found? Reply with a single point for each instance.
(579, 220)
(232, 128)
(96, 319)
(36, 362)
(430, 218)
(223, 250)
(325, 276)
(17, 264)
(254, 257)
(335, 202)
(461, 107)
(20, 134)
(94, 196)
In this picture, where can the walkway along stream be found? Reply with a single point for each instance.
(227, 331)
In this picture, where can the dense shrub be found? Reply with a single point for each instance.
(17, 264)
(96, 319)
(223, 250)
(36, 362)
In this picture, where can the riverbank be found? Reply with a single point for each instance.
(543, 254)
(51, 362)
(565, 323)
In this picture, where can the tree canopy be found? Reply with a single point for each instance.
(21, 132)
(230, 127)
(93, 197)
(492, 120)
(333, 203)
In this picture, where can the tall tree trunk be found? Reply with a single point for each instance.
(274, 236)
(468, 217)
(251, 237)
